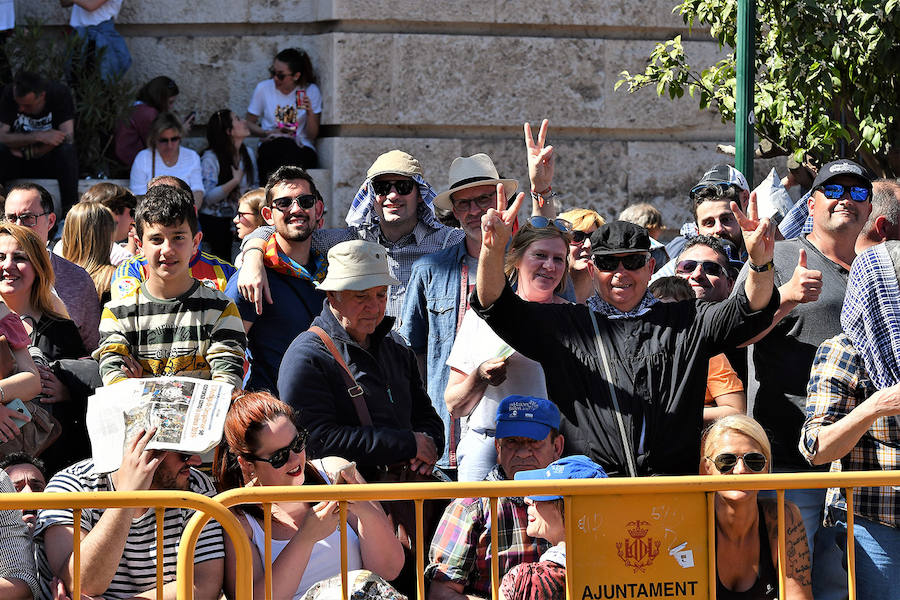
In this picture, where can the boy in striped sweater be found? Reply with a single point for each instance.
(171, 324)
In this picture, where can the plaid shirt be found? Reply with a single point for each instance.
(460, 552)
(838, 384)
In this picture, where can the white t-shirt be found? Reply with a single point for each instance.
(275, 109)
(7, 14)
(85, 18)
(187, 168)
(475, 343)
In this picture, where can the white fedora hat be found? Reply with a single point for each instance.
(472, 171)
(357, 265)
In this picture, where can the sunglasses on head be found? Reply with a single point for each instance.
(280, 457)
(833, 191)
(727, 461)
(686, 267)
(541, 222)
(174, 138)
(631, 262)
(403, 186)
(304, 201)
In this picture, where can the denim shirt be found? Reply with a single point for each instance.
(428, 321)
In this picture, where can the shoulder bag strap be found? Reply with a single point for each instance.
(626, 440)
(353, 388)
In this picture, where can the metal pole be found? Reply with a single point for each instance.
(744, 120)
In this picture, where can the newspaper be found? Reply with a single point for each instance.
(189, 416)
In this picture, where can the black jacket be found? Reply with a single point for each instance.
(660, 363)
(310, 380)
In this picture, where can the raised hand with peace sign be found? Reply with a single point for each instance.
(496, 231)
(759, 240)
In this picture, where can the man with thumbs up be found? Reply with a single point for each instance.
(811, 274)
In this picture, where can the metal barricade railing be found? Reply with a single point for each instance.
(208, 507)
(418, 492)
(218, 508)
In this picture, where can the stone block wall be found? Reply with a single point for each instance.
(444, 79)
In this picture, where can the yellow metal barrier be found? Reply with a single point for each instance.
(204, 505)
(631, 491)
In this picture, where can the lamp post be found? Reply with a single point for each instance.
(744, 118)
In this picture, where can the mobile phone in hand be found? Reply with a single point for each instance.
(337, 476)
(17, 405)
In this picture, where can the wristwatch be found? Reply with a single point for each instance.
(761, 268)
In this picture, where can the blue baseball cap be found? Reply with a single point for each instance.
(526, 416)
(577, 466)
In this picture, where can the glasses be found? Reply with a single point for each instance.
(25, 219)
(173, 139)
(277, 75)
(727, 461)
(483, 202)
(579, 236)
(280, 457)
(541, 222)
(631, 262)
(247, 216)
(304, 201)
(686, 267)
(403, 186)
(834, 191)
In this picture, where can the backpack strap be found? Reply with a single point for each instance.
(353, 389)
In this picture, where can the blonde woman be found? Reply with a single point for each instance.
(747, 526)
(87, 239)
(165, 156)
(581, 264)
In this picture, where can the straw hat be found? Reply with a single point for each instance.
(472, 171)
(357, 265)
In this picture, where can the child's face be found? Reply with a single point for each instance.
(169, 249)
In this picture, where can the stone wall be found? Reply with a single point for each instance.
(444, 79)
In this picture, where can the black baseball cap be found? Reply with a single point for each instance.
(619, 237)
(843, 166)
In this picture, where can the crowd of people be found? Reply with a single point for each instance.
(437, 337)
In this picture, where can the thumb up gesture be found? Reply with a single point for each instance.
(805, 284)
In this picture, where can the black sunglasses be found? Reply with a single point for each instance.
(710, 267)
(304, 201)
(833, 191)
(541, 222)
(280, 457)
(579, 236)
(403, 186)
(727, 461)
(631, 262)
(174, 138)
(277, 75)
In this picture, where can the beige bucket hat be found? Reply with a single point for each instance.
(357, 265)
(395, 162)
(472, 171)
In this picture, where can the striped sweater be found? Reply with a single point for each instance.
(198, 334)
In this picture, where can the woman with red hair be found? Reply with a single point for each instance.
(264, 445)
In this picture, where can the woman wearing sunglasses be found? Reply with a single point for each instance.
(263, 445)
(285, 111)
(747, 526)
(581, 266)
(483, 369)
(165, 156)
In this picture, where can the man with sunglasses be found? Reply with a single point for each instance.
(393, 207)
(780, 359)
(627, 372)
(293, 268)
(118, 545)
